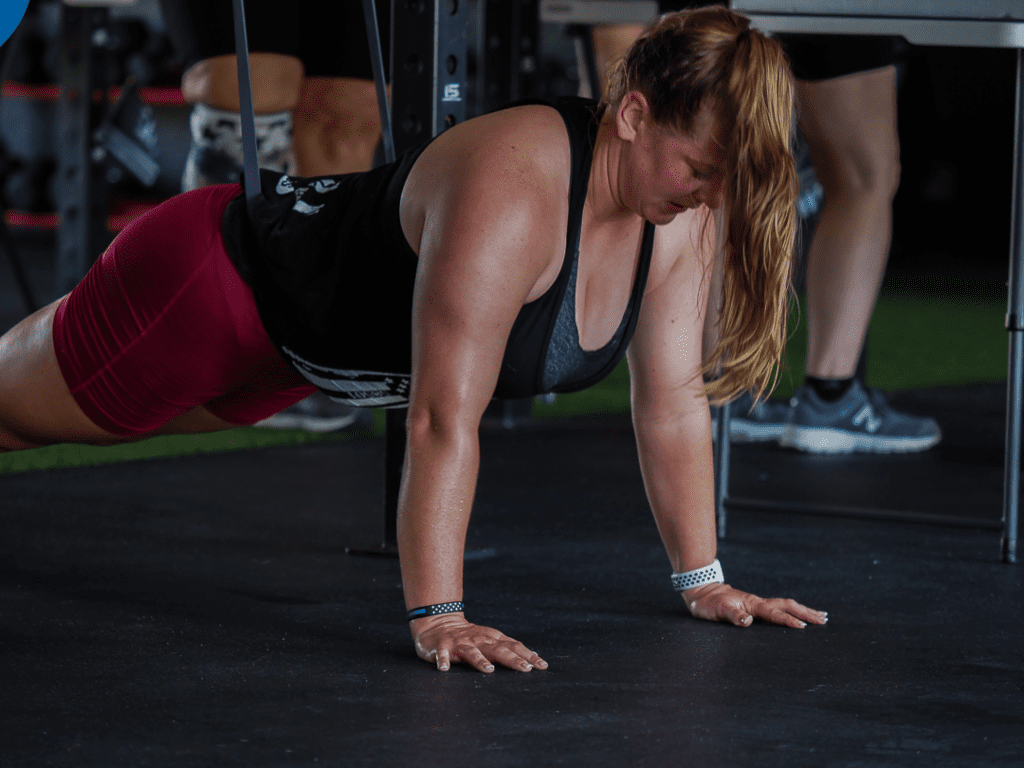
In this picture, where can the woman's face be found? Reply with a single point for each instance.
(673, 173)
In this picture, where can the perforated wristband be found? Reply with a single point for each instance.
(709, 574)
(436, 610)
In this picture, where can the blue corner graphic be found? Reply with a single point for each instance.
(11, 12)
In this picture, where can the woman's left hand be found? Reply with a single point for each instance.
(720, 602)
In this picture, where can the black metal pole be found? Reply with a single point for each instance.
(82, 199)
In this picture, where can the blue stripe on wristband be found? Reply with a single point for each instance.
(436, 610)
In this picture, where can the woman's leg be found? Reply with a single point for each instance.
(161, 336)
(36, 406)
(850, 127)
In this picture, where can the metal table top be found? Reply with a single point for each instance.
(980, 10)
(985, 24)
(993, 24)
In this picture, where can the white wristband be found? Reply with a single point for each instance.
(709, 574)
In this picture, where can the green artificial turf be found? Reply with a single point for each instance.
(916, 340)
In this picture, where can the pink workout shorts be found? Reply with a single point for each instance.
(163, 323)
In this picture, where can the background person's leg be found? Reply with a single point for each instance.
(849, 124)
(336, 126)
(276, 82)
(216, 124)
(611, 41)
(203, 35)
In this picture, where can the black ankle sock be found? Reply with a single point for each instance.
(829, 390)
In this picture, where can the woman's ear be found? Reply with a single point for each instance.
(631, 113)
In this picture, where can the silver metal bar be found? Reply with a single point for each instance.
(960, 33)
(598, 11)
(1015, 327)
(721, 458)
(1011, 473)
(993, 10)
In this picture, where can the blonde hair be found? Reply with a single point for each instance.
(712, 56)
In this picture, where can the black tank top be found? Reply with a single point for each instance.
(333, 277)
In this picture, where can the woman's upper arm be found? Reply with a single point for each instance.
(666, 353)
(484, 245)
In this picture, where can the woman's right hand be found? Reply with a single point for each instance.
(450, 639)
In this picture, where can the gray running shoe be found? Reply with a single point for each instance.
(749, 423)
(761, 423)
(860, 421)
(318, 413)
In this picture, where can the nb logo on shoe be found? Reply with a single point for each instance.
(867, 417)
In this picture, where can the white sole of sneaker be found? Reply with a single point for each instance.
(823, 440)
(742, 431)
(288, 421)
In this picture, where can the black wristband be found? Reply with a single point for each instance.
(435, 610)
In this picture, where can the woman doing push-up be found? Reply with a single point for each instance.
(519, 253)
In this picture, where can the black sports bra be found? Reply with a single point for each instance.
(543, 352)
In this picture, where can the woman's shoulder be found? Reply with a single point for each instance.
(519, 145)
(511, 163)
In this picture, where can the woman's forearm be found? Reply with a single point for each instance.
(678, 470)
(438, 484)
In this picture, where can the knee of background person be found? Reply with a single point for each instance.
(611, 42)
(276, 82)
(873, 175)
(335, 126)
(857, 170)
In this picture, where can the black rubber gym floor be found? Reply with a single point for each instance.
(202, 611)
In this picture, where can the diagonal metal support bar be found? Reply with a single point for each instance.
(250, 157)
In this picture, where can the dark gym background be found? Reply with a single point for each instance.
(201, 610)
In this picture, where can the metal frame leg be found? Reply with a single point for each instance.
(722, 467)
(1015, 327)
